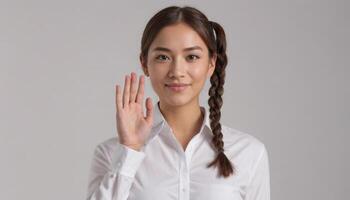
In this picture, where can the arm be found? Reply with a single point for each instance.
(259, 187)
(111, 177)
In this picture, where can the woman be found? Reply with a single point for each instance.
(179, 150)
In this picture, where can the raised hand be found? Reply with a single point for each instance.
(132, 126)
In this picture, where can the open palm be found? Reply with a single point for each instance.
(132, 126)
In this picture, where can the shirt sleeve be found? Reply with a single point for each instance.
(259, 187)
(112, 174)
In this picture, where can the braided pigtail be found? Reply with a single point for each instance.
(215, 102)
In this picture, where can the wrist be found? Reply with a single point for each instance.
(134, 147)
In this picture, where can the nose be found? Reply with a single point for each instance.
(177, 68)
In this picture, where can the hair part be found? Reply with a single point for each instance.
(214, 37)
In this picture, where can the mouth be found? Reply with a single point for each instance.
(177, 84)
(177, 87)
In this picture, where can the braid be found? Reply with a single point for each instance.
(215, 102)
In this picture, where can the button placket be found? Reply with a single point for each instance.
(184, 179)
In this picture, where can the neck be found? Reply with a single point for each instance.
(185, 120)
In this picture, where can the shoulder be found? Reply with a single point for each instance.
(247, 152)
(238, 141)
(232, 135)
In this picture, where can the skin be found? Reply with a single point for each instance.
(181, 110)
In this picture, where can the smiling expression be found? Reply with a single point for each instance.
(178, 64)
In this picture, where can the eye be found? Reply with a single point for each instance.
(161, 56)
(193, 57)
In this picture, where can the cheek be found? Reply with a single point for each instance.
(199, 74)
(155, 81)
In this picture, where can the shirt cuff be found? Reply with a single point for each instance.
(126, 160)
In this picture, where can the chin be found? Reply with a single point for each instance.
(177, 101)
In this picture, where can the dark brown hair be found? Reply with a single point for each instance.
(214, 37)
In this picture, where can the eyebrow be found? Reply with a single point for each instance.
(185, 49)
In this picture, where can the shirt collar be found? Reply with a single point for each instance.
(159, 121)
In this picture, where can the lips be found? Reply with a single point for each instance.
(177, 87)
(176, 84)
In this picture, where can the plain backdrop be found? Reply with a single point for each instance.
(287, 83)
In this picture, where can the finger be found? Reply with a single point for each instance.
(140, 93)
(119, 103)
(141, 90)
(126, 91)
(133, 88)
(149, 113)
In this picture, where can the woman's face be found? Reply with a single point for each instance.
(171, 61)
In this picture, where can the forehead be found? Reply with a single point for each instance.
(177, 37)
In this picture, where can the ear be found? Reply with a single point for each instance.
(212, 64)
(144, 66)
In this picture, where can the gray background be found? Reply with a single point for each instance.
(287, 84)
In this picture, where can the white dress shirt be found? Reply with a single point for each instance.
(162, 170)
